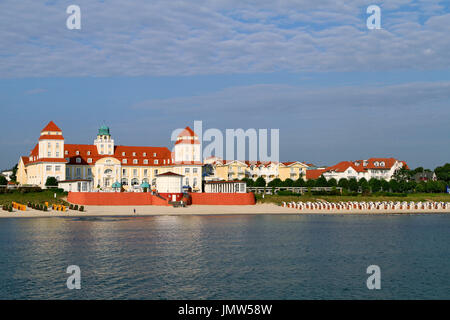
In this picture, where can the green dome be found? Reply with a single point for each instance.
(103, 131)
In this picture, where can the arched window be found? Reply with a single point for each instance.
(145, 180)
(154, 182)
(108, 171)
(124, 181)
(186, 182)
(134, 182)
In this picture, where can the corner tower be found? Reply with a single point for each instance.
(104, 142)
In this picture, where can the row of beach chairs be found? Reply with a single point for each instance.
(379, 205)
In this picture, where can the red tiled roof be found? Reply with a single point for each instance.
(51, 126)
(169, 174)
(51, 137)
(187, 132)
(25, 160)
(314, 173)
(162, 153)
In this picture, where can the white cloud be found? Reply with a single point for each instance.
(212, 37)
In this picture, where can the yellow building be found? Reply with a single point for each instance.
(105, 163)
(237, 170)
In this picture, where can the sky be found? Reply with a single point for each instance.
(336, 90)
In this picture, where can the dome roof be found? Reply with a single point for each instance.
(103, 131)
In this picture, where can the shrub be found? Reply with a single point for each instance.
(45, 208)
(76, 207)
(287, 193)
(70, 206)
(81, 208)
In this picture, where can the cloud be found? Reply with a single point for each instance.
(219, 37)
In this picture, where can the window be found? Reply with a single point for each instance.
(195, 170)
(123, 153)
(145, 172)
(124, 181)
(57, 168)
(78, 160)
(49, 154)
(144, 154)
(134, 154)
(154, 154)
(186, 170)
(124, 161)
(186, 182)
(145, 161)
(49, 145)
(156, 172)
(88, 153)
(57, 145)
(77, 152)
(134, 182)
(135, 173)
(48, 168)
(68, 172)
(57, 154)
(89, 172)
(124, 172)
(89, 160)
(78, 172)
(382, 164)
(108, 171)
(66, 152)
(155, 161)
(135, 161)
(195, 182)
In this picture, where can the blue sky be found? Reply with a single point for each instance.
(336, 90)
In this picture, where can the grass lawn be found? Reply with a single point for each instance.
(410, 197)
(33, 197)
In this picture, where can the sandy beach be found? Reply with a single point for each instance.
(197, 210)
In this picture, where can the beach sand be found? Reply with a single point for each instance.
(196, 210)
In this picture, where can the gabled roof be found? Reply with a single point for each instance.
(187, 132)
(314, 173)
(169, 174)
(51, 126)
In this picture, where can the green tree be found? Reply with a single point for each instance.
(385, 185)
(353, 184)
(14, 173)
(3, 181)
(332, 182)
(443, 173)
(288, 183)
(375, 185)
(310, 183)
(343, 183)
(402, 174)
(51, 182)
(394, 185)
(299, 182)
(260, 182)
(321, 182)
(249, 182)
(275, 183)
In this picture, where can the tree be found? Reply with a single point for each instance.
(343, 183)
(310, 183)
(332, 182)
(353, 185)
(321, 182)
(375, 185)
(288, 183)
(260, 182)
(402, 174)
(275, 183)
(249, 182)
(14, 173)
(51, 182)
(385, 185)
(443, 173)
(299, 182)
(3, 181)
(394, 185)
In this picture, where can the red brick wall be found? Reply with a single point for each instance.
(223, 198)
(114, 199)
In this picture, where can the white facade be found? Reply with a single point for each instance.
(76, 185)
(169, 183)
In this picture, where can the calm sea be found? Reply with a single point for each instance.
(226, 257)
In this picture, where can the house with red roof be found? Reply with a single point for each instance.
(378, 168)
(107, 164)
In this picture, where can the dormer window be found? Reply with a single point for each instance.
(77, 152)
(66, 152)
(123, 153)
(155, 161)
(88, 153)
(382, 164)
(124, 161)
(376, 163)
(134, 154)
(154, 154)
(144, 154)
(78, 160)
(145, 161)
(89, 160)
(135, 161)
